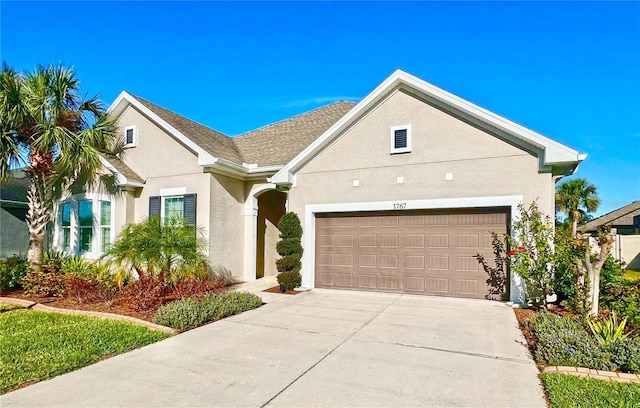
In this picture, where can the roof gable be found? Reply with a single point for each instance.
(553, 156)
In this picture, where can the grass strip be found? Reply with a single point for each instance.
(36, 345)
(568, 391)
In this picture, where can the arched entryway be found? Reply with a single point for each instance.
(263, 209)
(271, 207)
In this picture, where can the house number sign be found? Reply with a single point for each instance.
(399, 206)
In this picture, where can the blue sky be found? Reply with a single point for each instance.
(568, 70)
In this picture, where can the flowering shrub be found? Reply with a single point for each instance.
(497, 279)
(533, 259)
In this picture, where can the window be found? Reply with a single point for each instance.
(182, 206)
(401, 139)
(84, 225)
(65, 222)
(105, 225)
(130, 136)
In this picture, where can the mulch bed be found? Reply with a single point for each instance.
(276, 289)
(122, 305)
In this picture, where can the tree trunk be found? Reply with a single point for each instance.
(39, 214)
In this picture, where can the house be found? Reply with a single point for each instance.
(14, 238)
(396, 193)
(625, 224)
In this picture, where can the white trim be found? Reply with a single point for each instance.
(134, 143)
(121, 180)
(392, 139)
(96, 248)
(552, 152)
(176, 191)
(310, 211)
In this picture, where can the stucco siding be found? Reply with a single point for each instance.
(156, 154)
(481, 164)
(226, 240)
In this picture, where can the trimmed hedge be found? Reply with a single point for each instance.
(290, 249)
(565, 342)
(187, 314)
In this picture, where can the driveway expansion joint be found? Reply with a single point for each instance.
(350, 336)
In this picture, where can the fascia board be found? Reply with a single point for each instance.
(121, 180)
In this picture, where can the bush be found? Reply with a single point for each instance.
(622, 296)
(289, 246)
(564, 341)
(290, 249)
(187, 314)
(13, 270)
(49, 282)
(289, 280)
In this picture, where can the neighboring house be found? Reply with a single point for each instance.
(14, 233)
(625, 224)
(396, 193)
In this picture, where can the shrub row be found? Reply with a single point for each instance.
(565, 342)
(13, 269)
(187, 314)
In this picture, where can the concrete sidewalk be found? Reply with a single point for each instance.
(319, 348)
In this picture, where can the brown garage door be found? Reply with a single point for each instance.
(412, 252)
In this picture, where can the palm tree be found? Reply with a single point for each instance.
(47, 124)
(576, 198)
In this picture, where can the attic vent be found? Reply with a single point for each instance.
(130, 136)
(401, 139)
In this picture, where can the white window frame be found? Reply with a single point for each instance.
(392, 139)
(134, 143)
(95, 250)
(162, 205)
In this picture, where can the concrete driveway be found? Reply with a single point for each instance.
(321, 348)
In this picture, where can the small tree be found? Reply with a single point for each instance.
(591, 265)
(532, 253)
(497, 279)
(290, 249)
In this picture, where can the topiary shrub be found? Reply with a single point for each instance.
(290, 249)
(187, 314)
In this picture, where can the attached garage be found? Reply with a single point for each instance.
(419, 252)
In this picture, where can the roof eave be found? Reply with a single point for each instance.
(242, 172)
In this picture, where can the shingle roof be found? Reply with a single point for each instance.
(621, 216)
(274, 144)
(124, 169)
(15, 187)
(280, 142)
(216, 143)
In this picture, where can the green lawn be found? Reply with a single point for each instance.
(35, 346)
(567, 391)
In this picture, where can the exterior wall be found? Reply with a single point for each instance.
(14, 238)
(485, 169)
(481, 164)
(156, 153)
(226, 220)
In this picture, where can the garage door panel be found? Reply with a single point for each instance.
(424, 253)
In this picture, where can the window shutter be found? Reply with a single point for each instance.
(154, 206)
(190, 209)
(400, 138)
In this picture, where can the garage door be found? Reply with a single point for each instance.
(412, 252)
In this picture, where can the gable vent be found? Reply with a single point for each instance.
(400, 137)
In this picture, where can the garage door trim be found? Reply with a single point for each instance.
(308, 261)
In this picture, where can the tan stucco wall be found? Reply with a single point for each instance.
(226, 215)
(156, 154)
(482, 164)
